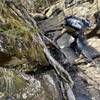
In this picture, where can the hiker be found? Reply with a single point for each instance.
(75, 27)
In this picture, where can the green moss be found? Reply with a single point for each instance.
(12, 31)
(11, 81)
(19, 82)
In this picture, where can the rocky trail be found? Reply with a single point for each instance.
(35, 67)
(86, 77)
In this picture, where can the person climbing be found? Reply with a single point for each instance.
(75, 27)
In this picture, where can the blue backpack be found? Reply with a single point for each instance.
(76, 23)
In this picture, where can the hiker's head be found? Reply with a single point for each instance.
(86, 22)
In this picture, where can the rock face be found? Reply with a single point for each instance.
(21, 56)
(18, 43)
